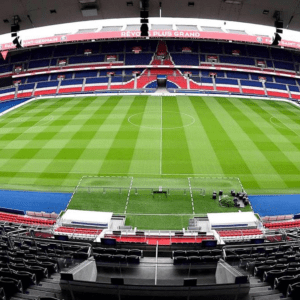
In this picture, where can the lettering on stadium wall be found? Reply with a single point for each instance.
(161, 33)
(152, 34)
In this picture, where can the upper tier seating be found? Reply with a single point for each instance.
(37, 78)
(194, 72)
(237, 60)
(147, 46)
(65, 50)
(258, 51)
(95, 47)
(280, 54)
(20, 57)
(238, 75)
(34, 64)
(210, 47)
(186, 59)
(176, 46)
(112, 47)
(86, 59)
(138, 59)
(229, 47)
(44, 52)
(82, 74)
(6, 69)
(68, 75)
(206, 73)
(269, 78)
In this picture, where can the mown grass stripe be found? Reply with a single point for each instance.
(233, 125)
(175, 151)
(66, 158)
(146, 156)
(265, 144)
(229, 157)
(119, 156)
(203, 157)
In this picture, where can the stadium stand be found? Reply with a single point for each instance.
(71, 86)
(252, 87)
(229, 85)
(280, 68)
(7, 94)
(93, 84)
(25, 90)
(46, 88)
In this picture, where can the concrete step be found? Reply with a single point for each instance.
(262, 291)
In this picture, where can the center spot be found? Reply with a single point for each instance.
(168, 120)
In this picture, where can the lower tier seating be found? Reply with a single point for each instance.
(12, 218)
(160, 240)
(76, 231)
(277, 225)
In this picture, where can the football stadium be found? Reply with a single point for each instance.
(150, 149)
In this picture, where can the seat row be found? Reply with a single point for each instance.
(77, 230)
(277, 225)
(117, 258)
(204, 252)
(183, 260)
(114, 251)
(245, 232)
(5, 217)
(160, 240)
(263, 249)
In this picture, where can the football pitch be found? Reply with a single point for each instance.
(50, 144)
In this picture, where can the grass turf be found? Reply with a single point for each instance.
(50, 144)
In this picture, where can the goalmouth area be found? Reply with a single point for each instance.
(154, 203)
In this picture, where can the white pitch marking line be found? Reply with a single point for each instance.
(127, 200)
(277, 125)
(191, 192)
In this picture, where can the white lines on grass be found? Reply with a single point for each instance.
(191, 192)
(128, 196)
(137, 214)
(161, 134)
(277, 125)
(74, 191)
(243, 190)
(153, 115)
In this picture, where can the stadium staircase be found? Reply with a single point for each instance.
(271, 269)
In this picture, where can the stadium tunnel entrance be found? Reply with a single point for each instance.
(162, 81)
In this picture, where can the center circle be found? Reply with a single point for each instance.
(155, 120)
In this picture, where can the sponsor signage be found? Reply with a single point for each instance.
(199, 35)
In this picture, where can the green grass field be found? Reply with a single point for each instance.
(51, 144)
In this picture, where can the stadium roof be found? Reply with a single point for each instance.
(37, 13)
